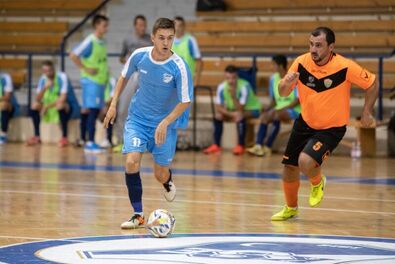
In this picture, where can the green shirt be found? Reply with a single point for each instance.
(244, 94)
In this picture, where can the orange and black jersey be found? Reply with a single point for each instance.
(324, 91)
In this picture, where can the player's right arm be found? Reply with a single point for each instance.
(128, 69)
(288, 82)
(220, 101)
(83, 50)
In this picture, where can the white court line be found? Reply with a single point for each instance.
(195, 201)
(41, 239)
(263, 192)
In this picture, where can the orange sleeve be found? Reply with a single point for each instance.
(294, 66)
(359, 76)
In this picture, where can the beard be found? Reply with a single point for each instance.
(315, 57)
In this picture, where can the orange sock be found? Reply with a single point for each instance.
(291, 193)
(316, 179)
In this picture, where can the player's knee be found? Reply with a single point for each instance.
(132, 164)
(3, 106)
(219, 116)
(306, 163)
(162, 174)
(60, 106)
(291, 173)
(36, 106)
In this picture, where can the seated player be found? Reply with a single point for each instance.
(235, 102)
(8, 104)
(55, 101)
(108, 94)
(281, 109)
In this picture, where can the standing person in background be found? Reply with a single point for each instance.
(186, 46)
(55, 101)
(323, 79)
(137, 40)
(281, 109)
(90, 56)
(9, 106)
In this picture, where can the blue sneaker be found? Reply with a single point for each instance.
(3, 140)
(91, 147)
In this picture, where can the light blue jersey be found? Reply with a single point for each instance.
(162, 85)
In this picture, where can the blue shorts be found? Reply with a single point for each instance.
(141, 138)
(292, 113)
(92, 94)
(255, 113)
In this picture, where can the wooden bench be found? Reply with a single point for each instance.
(47, 8)
(303, 7)
(33, 27)
(12, 63)
(37, 42)
(263, 41)
(365, 136)
(226, 26)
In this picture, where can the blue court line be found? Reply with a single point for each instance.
(195, 172)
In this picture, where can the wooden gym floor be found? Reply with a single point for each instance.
(47, 193)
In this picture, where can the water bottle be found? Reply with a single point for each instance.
(356, 150)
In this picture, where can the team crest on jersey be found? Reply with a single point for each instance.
(328, 82)
(311, 81)
(167, 77)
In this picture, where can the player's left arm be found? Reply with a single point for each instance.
(194, 48)
(161, 130)
(63, 90)
(371, 94)
(184, 85)
(367, 81)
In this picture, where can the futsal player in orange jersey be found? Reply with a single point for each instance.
(323, 80)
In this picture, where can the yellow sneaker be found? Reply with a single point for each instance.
(285, 214)
(267, 152)
(317, 192)
(117, 148)
(256, 150)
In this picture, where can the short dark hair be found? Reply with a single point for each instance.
(98, 18)
(280, 60)
(231, 69)
(329, 34)
(180, 18)
(142, 17)
(163, 23)
(48, 63)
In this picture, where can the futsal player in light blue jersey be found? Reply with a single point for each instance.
(160, 106)
(90, 56)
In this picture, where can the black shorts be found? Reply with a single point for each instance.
(318, 144)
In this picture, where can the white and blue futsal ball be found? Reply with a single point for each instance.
(161, 223)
